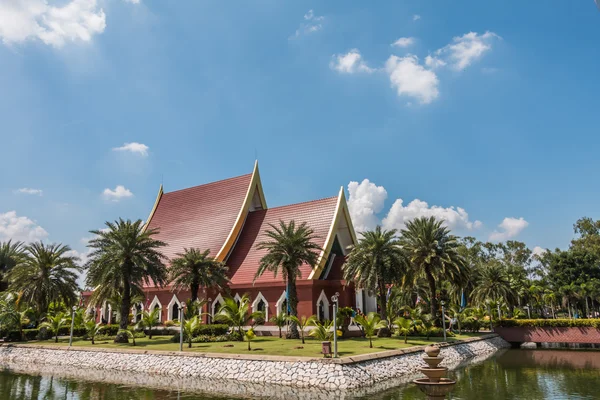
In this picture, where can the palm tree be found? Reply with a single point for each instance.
(189, 327)
(433, 253)
(237, 315)
(288, 247)
(92, 329)
(128, 333)
(55, 323)
(493, 284)
(375, 262)
(323, 331)
(403, 326)
(302, 323)
(10, 255)
(149, 320)
(46, 274)
(194, 268)
(279, 320)
(11, 316)
(370, 323)
(125, 257)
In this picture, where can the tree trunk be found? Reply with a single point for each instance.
(125, 306)
(293, 295)
(194, 288)
(432, 290)
(382, 301)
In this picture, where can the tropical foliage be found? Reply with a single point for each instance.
(194, 269)
(369, 324)
(149, 320)
(303, 323)
(55, 323)
(288, 247)
(237, 314)
(124, 257)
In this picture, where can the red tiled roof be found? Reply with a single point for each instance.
(245, 258)
(200, 216)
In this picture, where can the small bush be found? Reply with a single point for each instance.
(13, 336)
(550, 323)
(212, 330)
(31, 334)
(171, 323)
(210, 339)
(44, 334)
(110, 330)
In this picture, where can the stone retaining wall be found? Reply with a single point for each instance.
(548, 334)
(339, 374)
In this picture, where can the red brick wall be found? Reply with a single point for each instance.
(549, 334)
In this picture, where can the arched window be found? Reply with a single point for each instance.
(261, 304)
(156, 305)
(322, 306)
(175, 311)
(321, 310)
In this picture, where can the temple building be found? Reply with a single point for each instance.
(229, 217)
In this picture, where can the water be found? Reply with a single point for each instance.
(513, 374)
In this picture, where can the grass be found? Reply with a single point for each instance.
(265, 345)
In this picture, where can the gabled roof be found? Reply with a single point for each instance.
(245, 257)
(208, 217)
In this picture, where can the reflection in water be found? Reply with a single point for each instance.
(513, 374)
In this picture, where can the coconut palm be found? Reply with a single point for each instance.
(55, 323)
(10, 255)
(403, 326)
(125, 257)
(433, 254)
(302, 323)
(288, 247)
(460, 314)
(493, 284)
(370, 323)
(114, 298)
(92, 329)
(193, 269)
(46, 274)
(279, 320)
(236, 314)
(189, 327)
(11, 315)
(149, 320)
(376, 262)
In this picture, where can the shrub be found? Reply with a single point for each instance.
(210, 339)
(212, 330)
(110, 330)
(44, 334)
(551, 323)
(31, 334)
(172, 322)
(13, 336)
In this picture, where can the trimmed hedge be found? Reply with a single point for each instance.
(550, 323)
(212, 330)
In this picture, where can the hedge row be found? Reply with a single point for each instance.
(552, 323)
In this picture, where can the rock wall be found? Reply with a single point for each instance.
(340, 374)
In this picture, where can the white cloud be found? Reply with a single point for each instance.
(466, 49)
(20, 228)
(120, 192)
(509, 228)
(454, 217)
(411, 79)
(349, 63)
(134, 147)
(54, 25)
(538, 251)
(404, 42)
(35, 192)
(365, 201)
(133, 1)
(434, 62)
(312, 23)
(416, 17)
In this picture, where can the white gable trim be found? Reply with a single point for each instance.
(279, 304)
(237, 297)
(218, 300)
(170, 315)
(156, 302)
(257, 300)
(323, 298)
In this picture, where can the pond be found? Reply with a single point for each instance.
(512, 374)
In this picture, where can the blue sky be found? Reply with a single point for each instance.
(490, 107)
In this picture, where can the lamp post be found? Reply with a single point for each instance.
(334, 299)
(210, 311)
(181, 326)
(528, 311)
(72, 326)
(443, 303)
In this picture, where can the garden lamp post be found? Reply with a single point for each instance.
(443, 303)
(181, 308)
(72, 326)
(334, 299)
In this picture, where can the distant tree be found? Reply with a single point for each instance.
(237, 315)
(125, 256)
(46, 274)
(190, 326)
(376, 262)
(403, 327)
(302, 323)
(149, 320)
(493, 284)
(10, 255)
(194, 268)
(279, 320)
(92, 329)
(288, 247)
(55, 323)
(433, 253)
(370, 323)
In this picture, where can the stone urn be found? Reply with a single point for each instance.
(432, 350)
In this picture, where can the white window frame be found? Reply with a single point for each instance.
(218, 299)
(279, 304)
(323, 298)
(170, 308)
(156, 301)
(257, 300)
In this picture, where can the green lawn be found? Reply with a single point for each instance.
(264, 345)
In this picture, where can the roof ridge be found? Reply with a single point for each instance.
(303, 202)
(209, 183)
